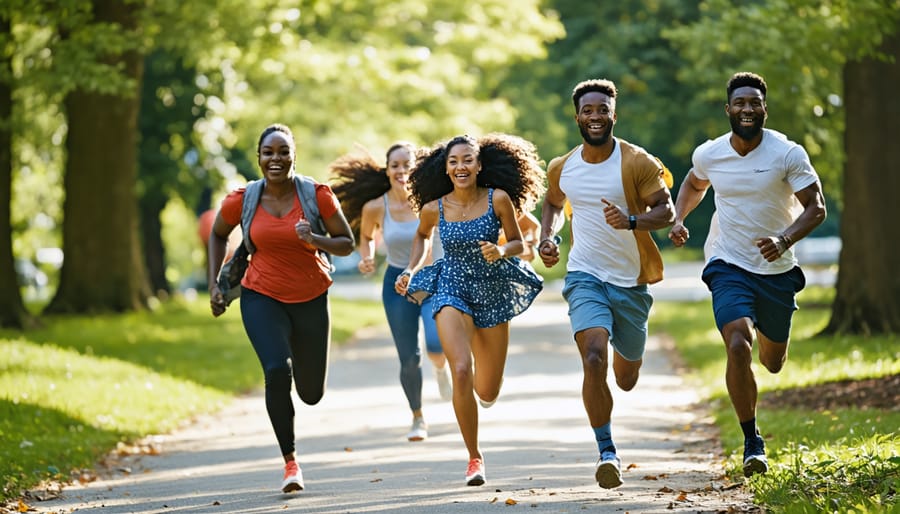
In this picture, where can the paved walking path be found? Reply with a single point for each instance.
(539, 450)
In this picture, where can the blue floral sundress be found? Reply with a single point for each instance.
(491, 293)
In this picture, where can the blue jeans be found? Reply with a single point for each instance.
(291, 341)
(403, 318)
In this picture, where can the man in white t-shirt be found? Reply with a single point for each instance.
(768, 197)
(618, 193)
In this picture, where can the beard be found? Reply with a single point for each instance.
(599, 140)
(746, 133)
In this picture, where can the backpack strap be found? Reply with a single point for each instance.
(309, 202)
(306, 191)
(252, 195)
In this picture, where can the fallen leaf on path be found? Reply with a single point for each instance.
(665, 489)
(493, 500)
(22, 507)
(374, 480)
(631, 466)
(682, 497)
(650, 477)
(348, 449)
(510, 501)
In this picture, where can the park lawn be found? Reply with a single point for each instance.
(77, 388)
(842, 459)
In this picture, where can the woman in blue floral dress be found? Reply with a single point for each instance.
(469, 190)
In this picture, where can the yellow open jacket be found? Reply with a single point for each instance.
(642, 175)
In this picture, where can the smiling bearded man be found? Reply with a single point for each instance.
(618, 193)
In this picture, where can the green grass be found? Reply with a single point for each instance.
(805, 447)
(71, 391)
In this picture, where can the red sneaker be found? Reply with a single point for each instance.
(475, 472)
(293, 478)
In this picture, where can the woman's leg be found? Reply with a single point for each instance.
(435, 351)
(403, 319)
(268, 326)
(310, 342)
(456, 331)
(489, 347)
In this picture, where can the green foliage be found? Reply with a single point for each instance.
(71, 391)
(621, 41)
(843, 460)
(801, 56)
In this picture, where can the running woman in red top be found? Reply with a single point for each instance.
(284, 300)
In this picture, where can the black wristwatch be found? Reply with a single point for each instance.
(632, 222)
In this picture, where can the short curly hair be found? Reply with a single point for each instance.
(745, 79)
(508, 162)
(357, 178)
(605, 86)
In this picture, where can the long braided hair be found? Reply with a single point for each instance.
(508, 162)
(357, 178)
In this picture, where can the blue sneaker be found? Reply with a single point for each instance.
(755, 456)
(609, 470)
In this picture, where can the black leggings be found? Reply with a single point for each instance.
(291, 341)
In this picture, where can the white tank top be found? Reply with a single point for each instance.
(605, 252)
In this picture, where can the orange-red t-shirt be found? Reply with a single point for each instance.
(284, 266)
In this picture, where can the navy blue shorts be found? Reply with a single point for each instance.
(768, 300)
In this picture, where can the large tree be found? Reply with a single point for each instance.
(831, 69)
(868, 285)
(12, 310)
(103, 267)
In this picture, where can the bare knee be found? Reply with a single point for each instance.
(773, 355)
(627, 372)
(738, 345)
(595, 357)
(462, 375)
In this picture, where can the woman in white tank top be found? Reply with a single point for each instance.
(375, 201)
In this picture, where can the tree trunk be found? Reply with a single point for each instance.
(151, 206)
(103, 268)
(867, 300)
(12, 310)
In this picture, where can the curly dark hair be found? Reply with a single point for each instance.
(508, 162)
(745, 79)
(605, 86)
(357, 178)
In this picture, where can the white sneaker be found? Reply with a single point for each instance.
(293, 478)
(608, 473)
(419, 430)
(445, 386)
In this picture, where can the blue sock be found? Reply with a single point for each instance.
(603, 435)
(749, 428)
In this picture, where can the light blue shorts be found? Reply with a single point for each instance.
(622, 311)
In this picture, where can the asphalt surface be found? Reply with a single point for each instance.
(538, 446)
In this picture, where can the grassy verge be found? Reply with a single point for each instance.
(71, 391)
(839, 460)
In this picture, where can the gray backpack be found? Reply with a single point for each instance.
(229, 279)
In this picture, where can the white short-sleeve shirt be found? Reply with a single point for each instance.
(754, 196)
